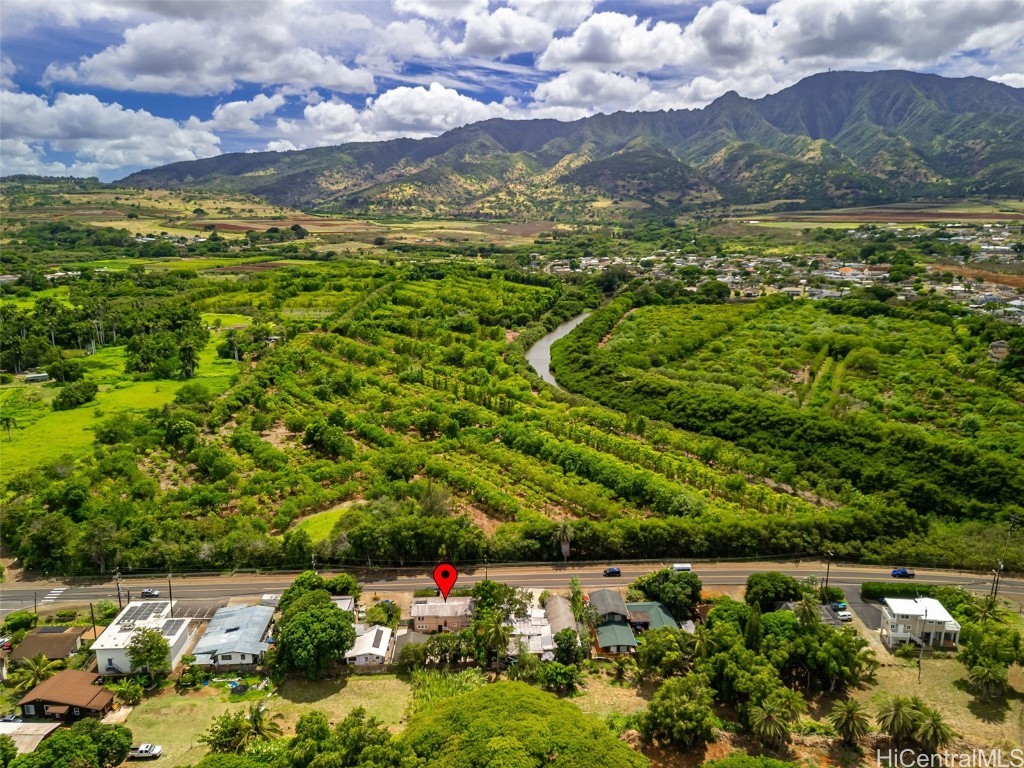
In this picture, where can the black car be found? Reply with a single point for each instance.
(613, 571)
(150, 592)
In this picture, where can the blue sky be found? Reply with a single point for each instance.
(106, 87)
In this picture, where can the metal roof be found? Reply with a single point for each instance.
(374, 642)
(608, 601)
(240, 629)
(654, 614)
(615, 633)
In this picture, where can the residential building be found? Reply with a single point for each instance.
(435, 614)
(27, 736)
(560, 615)
(609, 605)
(407, 638)
(533, 633)
(52, 642)
(998, 351)
(615, 637)
(111, 647)
(614, 634)
(372, 647)
(650, 615)
(68, 696)
(236, 638)
(922, 621)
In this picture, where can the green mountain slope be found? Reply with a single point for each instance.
(839, 138)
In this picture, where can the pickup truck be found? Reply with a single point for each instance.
(145, 752)
(903, 573)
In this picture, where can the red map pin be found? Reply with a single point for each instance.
(445, 576)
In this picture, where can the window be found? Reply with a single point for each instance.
(77, 711)
(29, 710)
(226, 657)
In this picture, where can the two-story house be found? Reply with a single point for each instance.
(434, 614)
(922, 621)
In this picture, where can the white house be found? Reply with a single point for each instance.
(111, 647)
(236, 637)
(923, 621)
(371, 647)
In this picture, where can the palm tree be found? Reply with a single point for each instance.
(563, 535)
(769, 722)
(188, 355)
(850, 721)
(807, 611)
(932, 732)
(988, 676)
(31, 672)
(494, 633)
(128, 691)
(263, 727)
(985, 610)
(791, 702)
(703, 643)
(8, 422)
(898, 718)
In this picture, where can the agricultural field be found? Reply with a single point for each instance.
(902, 369)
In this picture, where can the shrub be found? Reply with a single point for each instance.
(75, 394)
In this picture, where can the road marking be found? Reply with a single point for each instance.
(52, 595)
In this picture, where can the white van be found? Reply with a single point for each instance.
(682, 567)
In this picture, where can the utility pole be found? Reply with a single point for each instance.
(920, 656)
(92, 615)
(35, 606)
(117, 580)
(998, 578)
(170, 595)
(485, 568)
(312, 560)
(828, 566)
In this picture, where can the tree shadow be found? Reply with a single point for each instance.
(300, 691)
(989, 710)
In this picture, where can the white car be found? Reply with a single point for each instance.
(844, 616)
(145, 752)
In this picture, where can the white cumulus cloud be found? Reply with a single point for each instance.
(101, 136)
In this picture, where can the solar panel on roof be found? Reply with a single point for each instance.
(171, 627)
(376, 637)
(50, 630)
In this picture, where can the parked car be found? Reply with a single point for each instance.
(903, 573)
(11, 719)
(150, 592)
(844, 615)
(613, 571)
(145, 752)
(837, 605)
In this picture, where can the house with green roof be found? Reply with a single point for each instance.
(650, 615)
(615, 637)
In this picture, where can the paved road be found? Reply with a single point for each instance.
(201, 592)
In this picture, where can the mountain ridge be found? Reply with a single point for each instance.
(836, 138)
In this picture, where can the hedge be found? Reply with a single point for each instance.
(873, 590)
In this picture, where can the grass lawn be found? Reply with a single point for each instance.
(320, 525)
(43, 435)
(176, 722)
(227, 319)
(603, 698)
(943, 687)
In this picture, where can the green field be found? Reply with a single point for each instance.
(177, 722)
(42, 435)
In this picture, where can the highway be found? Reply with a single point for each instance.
(204, 591)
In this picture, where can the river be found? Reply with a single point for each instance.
(539, 355)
